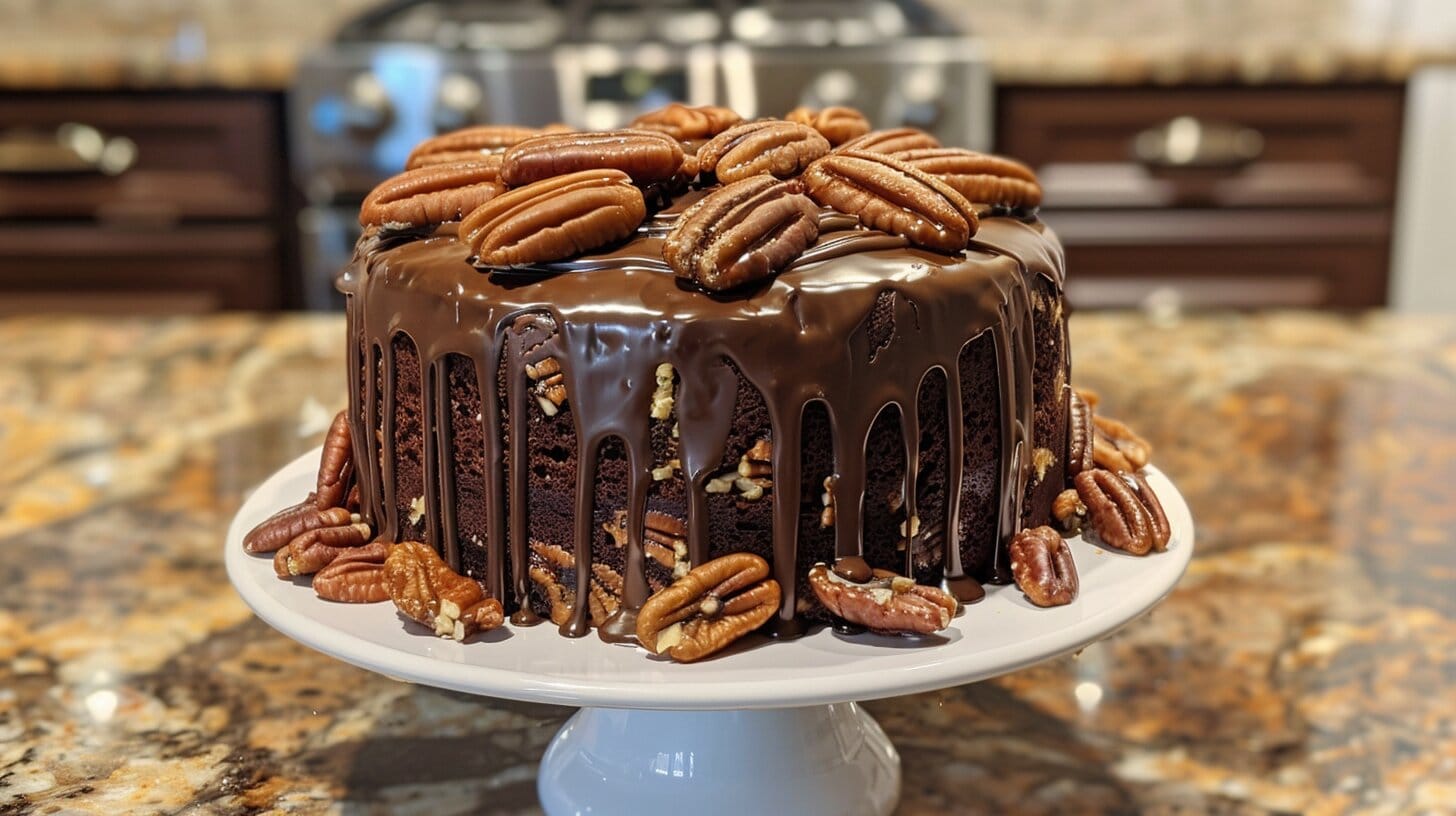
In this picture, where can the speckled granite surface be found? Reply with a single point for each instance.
(1306, 664)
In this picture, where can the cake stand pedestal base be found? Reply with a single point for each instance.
(819, 759)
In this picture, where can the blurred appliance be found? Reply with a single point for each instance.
(411, 68)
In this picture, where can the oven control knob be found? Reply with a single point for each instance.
(368, 109)
(456, 103)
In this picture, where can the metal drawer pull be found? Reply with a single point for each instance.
(71, 148)
(1187, 141)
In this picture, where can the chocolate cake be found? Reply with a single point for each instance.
(805, 352)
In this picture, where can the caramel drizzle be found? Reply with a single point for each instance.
(616, 371)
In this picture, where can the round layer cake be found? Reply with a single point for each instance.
(580, 427)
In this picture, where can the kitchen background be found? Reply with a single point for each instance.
(198, 155)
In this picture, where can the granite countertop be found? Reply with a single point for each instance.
(1305, 664)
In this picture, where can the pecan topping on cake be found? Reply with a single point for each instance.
(1069, 511)
(980, 177)
(889, 195)
(838, 124)
(1041, 563)
(770, 146)
(470, 143)
(709, 608)
(431, 195)
(1118, 447)
(427, 591)
(1080, 435)
(289, 523)
(741, 233)
(893, 140)
(550, 564)
(317, 548)
(336, 467)
(1124, 511)
(886, 603)
(554, 218)
(356, 576)
(685, 123)
(647, 156)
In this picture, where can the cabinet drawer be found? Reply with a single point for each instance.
(1234, 147)
(1301, 260)
(213, 155)
(98, 269)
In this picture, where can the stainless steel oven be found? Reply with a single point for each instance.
(409, 69)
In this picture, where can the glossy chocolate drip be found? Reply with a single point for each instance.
(614, 317)
(852, 568)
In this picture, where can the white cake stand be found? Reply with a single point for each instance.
(764, 728)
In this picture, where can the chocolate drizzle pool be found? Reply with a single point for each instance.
(620, 313)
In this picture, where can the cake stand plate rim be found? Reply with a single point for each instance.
(538, 665)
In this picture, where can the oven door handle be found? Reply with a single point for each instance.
(71, 148)
(1188, 141)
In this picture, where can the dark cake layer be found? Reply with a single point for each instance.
(575, 493)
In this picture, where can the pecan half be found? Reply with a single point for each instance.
(472, 142)
(683, 123)
(838, 124)
(980, 177)
(710, 607)
(770, 146)
(289, 523)
(887, 603)
(604, 593)
(356, 576)
(1069, 511)
(1106, 455)
(1133, 448)
(335, 465)
(1080, 433)
(1041, 563)
(554, 218)
(431, 195)
(741, 233)
(647, 156)
(488, 158)
(667, 542)
(427, 591)
(317, 548)
(893, 140)
(550, 564)
(889, 195)
(1124, 511)
(665, 539)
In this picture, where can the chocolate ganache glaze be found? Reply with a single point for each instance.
(810, 336)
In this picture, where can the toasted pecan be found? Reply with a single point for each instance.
(889, 195)
(554, 218)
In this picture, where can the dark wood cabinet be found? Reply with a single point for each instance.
(1215, 196)
(142, 201)
(135, 268)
